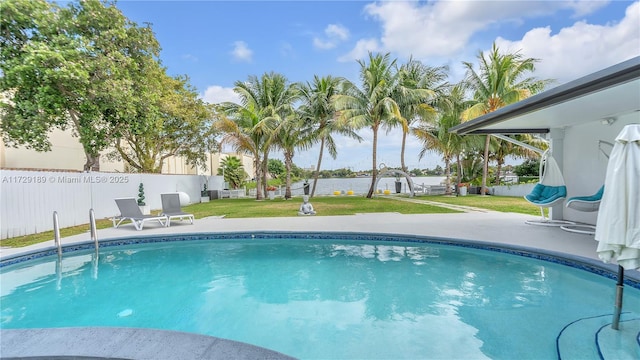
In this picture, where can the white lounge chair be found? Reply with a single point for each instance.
(171, 208)
(587, 204)
(129, 210)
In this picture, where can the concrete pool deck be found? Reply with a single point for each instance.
(508, 229)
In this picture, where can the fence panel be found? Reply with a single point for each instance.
(29, 198)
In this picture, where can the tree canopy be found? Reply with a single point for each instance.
(88, 68)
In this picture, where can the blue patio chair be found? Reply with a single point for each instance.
(549, 191)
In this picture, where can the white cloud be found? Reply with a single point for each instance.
(190, 57)
(361, 50)
(582, 8)
(337, 31)
(582, 48)
(334, 33)
(217, 94)
(241, 51)
(445, 28)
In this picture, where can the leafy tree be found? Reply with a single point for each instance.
(530, 167)
(499, 82)
(372, 105)
(66, 68)
(232, 170)
(276, 168)
(319, 112)
(170, 120)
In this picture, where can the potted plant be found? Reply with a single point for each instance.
(204, 195)
(271, 192)
(146, 210)
(462, 189)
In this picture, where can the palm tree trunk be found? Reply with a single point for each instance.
(404, 142)
(459, 172)
(265, 171)
(402, 164)
(288, 160)
(498, 170)
(258, 172)
(447, 174)
(485, 167)
(317, 172)
(374, 173)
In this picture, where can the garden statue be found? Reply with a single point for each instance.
(306, 208)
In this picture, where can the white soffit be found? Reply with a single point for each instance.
(612, 102)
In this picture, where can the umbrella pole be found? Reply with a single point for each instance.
(618, 304)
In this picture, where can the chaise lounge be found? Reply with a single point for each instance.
(172, 210)
(129, 210)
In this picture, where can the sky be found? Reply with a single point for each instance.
(217, 43)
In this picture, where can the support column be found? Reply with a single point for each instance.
(556, 144)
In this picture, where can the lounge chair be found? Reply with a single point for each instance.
(129, 210)
(549, 191)
(171, 208)
(587, 204)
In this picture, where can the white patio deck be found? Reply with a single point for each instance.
(508, 229)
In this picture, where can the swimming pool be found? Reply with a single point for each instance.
(329, 295)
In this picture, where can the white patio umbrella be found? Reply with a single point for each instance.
(618, 225)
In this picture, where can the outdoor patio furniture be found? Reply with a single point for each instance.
(549, 191)
(129, 210)
(171, 208)
(587, 204)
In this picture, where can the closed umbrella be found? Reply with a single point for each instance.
(618, 225)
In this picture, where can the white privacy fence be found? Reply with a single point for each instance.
(29, 198)
(512, 190)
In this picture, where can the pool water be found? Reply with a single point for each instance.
(320, 298)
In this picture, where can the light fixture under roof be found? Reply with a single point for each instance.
(608, 120)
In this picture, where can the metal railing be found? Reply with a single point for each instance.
(56, 233)
(92, 224)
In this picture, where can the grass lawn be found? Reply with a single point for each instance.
(514, 204)
(324, 206)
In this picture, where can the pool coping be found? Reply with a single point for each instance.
(124, 343)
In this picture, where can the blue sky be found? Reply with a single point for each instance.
(217, 43)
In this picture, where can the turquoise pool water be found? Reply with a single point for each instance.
(327, 298)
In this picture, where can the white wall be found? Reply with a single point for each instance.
(29, 198)
(584, 166)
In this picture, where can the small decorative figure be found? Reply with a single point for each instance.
(306, 208)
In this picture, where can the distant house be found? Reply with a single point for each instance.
(67, 154)
(574, 117)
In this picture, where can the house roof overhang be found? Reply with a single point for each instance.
(603, 95)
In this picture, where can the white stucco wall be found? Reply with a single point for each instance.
(583, 164)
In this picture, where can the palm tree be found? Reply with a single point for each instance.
(319, 112)
(244, 132)
(265, 103)
(293, 133)
(502, 149)
(232, 171)
(418, 87)
(498, 83)
(435, 136)
(372, 105)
